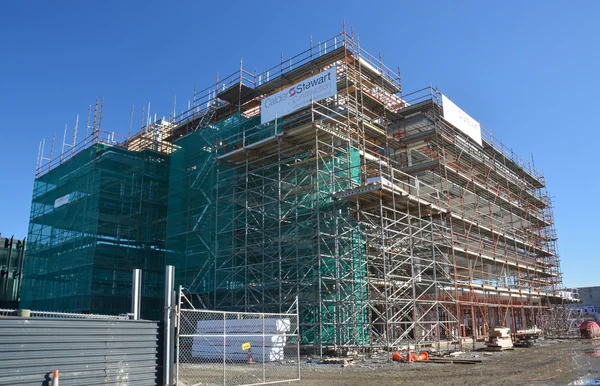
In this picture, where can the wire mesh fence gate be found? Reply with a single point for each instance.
(235, 348)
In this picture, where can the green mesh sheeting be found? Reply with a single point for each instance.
(191, 222)
(254, 236)
(245, 236)
(94, 219)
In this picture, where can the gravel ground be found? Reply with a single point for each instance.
(552, 362)
(559, 362)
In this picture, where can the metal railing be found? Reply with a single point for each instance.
(236, 348)
(61, 315)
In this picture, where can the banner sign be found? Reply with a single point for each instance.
(317, 87)
(61, 201)
(461, 120)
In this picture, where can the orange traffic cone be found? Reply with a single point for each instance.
(55, 378)
(250, 360)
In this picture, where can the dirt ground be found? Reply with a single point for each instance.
(560, 362)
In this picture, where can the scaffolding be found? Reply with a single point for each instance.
(390, 225)
(98, 212)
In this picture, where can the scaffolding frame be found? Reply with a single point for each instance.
(98, 211)
(389, 224)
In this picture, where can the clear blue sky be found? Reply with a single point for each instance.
(527, 70)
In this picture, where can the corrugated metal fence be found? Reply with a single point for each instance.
(86, 350)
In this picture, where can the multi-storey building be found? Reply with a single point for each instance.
(393, 217)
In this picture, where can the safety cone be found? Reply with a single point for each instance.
(55, 378)
(250, 360)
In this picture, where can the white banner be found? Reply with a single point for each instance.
(315, 88)
(61, 201)
(461, 120)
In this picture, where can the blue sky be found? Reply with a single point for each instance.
(527, 70)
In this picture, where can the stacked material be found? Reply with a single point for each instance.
(216, 340)
(499, 339)
(526, 338)
(533, 330)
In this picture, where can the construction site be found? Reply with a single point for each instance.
(392, 216)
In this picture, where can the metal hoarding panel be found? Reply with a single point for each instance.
(85, 351)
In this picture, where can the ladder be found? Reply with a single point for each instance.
(207, 117)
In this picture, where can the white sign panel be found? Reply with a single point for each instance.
(315, 88)
(61, 201)
(461, 120)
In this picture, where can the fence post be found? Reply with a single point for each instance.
(264, 369)
(224, 347)
(177, 318)
(136, 293)
(169, 327)
(298, 336)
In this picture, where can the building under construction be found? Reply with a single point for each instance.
(392, 216)
(12, 254)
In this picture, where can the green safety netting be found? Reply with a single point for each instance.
(93, 220)
(242, 237)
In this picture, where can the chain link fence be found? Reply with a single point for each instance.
(236, 348)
